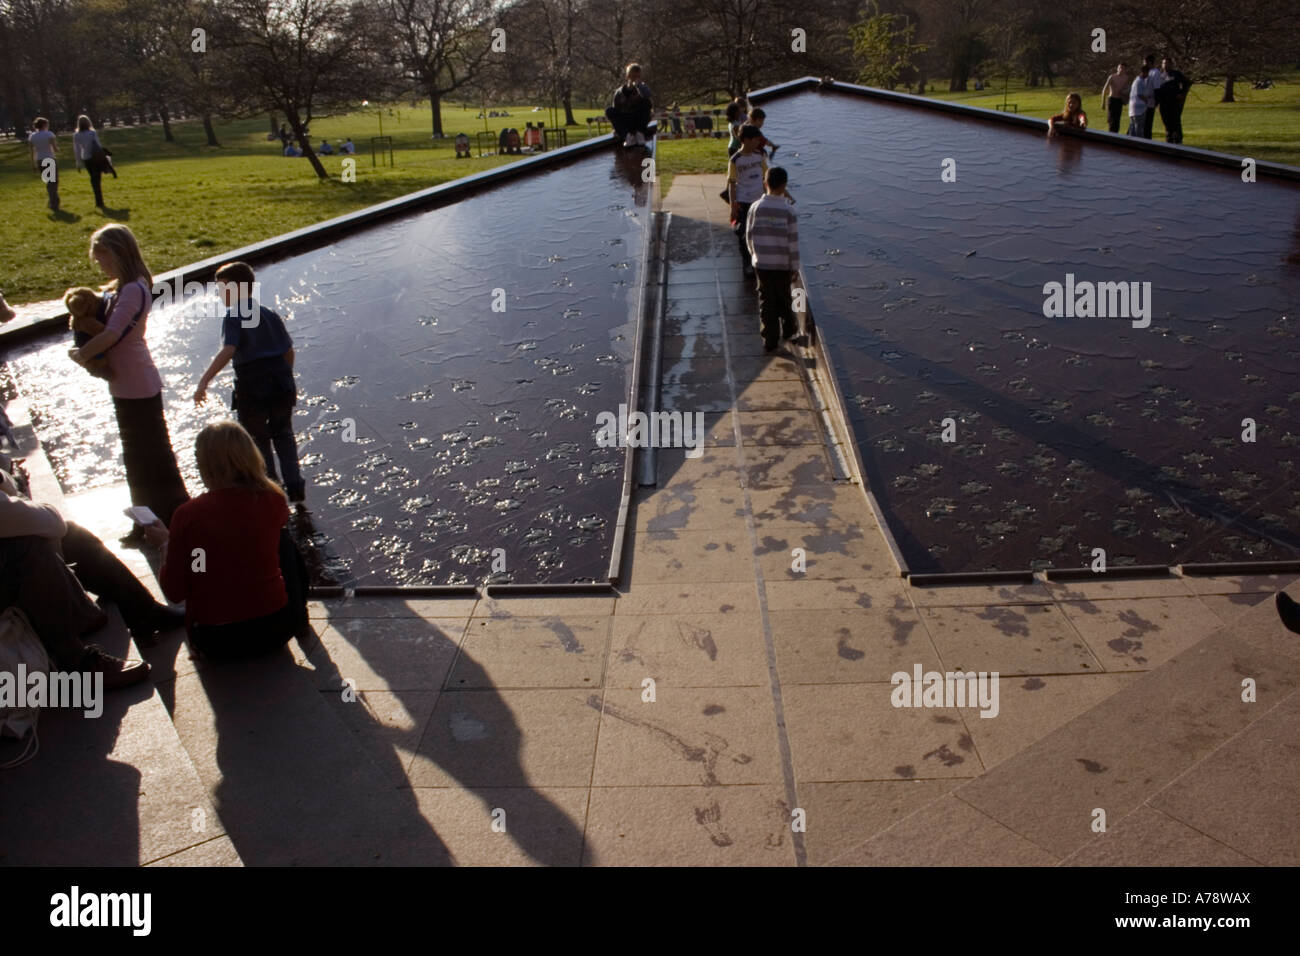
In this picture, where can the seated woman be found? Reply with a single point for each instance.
(1073, 117)
(228, 554)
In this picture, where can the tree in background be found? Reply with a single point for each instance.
(305, 58)
(884, 44)
(442, 45)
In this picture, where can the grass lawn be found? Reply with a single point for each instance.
(187, 201)
(1263, 124)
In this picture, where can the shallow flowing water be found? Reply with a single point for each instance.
(472, 429)
(1070, 433)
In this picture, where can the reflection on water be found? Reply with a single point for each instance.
(432, 428)
(1073, 433)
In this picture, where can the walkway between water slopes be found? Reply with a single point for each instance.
(733, 704)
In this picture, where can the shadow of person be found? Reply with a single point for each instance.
(72, 804)
(463, 737)
(62, 215)
(119, 215)
(295, 786)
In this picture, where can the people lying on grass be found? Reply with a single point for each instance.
(1072, 117)
(46, 567)
(255, 338)
(228, 554)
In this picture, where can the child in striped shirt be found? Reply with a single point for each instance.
(772, 237)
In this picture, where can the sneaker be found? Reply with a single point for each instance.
(630, 141)
(159, 620)
(118, 673)
(298, 494)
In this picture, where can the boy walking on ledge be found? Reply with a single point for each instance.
(772, 237)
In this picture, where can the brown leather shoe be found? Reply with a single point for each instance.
(117, 672)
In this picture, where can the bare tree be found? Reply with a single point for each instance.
(443, 45)
(306, 57)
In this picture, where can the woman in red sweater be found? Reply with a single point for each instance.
(227, 554)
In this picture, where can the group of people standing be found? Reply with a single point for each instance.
(764, 221)
(226, 554)
(1146, 90)
(88, 152)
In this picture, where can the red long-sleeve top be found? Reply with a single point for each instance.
(238, 531)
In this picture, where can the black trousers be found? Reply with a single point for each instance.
(52, 185)
(35, 578)
(1171, 114)
(261, 635)
(1114, 113)
(739, 229)
(776, 315)
(1150, 118)
(151, 471)
(100, 572)
(264, 399)
(637, 121)
(96, 174)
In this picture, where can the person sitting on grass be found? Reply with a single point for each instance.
(348, 148)
(1072, 117)
(228, 554)
(630, 114)
(325, 148)
(265, 394)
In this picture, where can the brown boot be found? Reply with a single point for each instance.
(117, 672)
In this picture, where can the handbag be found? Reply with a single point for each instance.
(21, 652)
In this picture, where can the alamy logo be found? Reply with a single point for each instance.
(953, 689)
(247, 298)
(1102, 300)
(75, 908)
(82, 690)
(653, 430)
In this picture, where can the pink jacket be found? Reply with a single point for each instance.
(134, 374)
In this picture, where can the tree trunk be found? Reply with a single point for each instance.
(435, 106)
(1228, 83)
(167, 124)
(207, 128)
(304, 143)
(568, 109)
(275, 130)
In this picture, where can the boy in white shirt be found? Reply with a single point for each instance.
(1140, 100)
(745, 174)
(45, 147)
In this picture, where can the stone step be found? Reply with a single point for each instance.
(116, 790)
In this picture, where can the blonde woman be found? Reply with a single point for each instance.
(91, 156)
(228, 554)
(134, 382)
(1072, 117)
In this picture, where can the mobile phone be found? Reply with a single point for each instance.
(140, 514)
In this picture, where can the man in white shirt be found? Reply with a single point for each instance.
(1157, 78)
(45, 147)
(1140, 101)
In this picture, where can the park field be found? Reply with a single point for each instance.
(1263, 124)
(188, 201)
